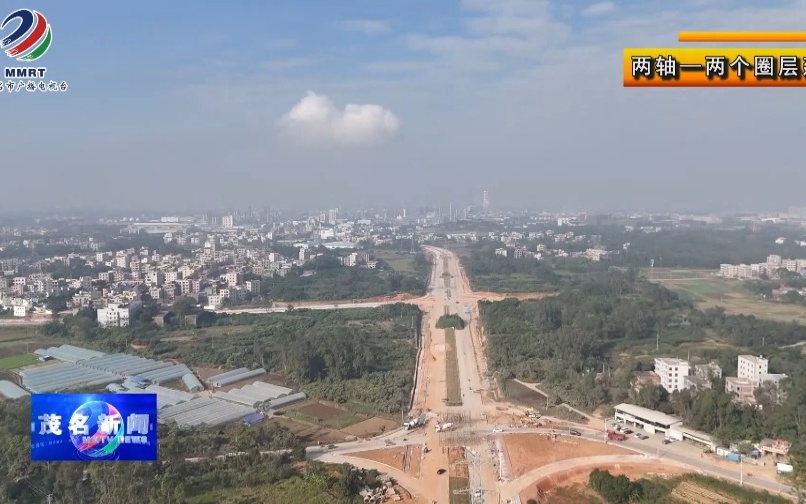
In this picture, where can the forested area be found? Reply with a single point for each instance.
(173, 479)
(489, 272)
(695, 247)
(324, 278)
(612, 322)
(620, 490)
(363, 354)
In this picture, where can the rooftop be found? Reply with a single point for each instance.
(752, 358)
(648, 414)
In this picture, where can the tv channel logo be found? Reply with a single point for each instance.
(76, 427)
(30, 36)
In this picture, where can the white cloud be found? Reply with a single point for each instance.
(599, 8)
(366, 26)
(315, 119)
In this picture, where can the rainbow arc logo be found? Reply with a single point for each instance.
(32, 37)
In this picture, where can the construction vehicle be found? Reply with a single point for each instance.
(444, 427)
(616, 436)
(413, 423)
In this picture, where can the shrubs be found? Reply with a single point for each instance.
(446, 321)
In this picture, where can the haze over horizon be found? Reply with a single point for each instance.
(318, 104)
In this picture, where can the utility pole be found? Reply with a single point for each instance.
(741, 470)
(657, 340)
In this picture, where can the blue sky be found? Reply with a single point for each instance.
(521, 97)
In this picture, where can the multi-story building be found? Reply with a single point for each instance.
(232, 278)
(752, 367)
(742, 388)
(117, 315)
(671, 372)
(155, 278)
(228, 221)
(253, 286)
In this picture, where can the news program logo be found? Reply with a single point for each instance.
(93, 427)
(32, 37)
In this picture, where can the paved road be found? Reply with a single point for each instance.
(472, 370)
(324, 306)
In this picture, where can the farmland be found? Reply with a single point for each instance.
(452, 385)
(17, 361)
(707, 291)
(327, 422)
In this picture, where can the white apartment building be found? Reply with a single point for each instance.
(117, 315)
(122, 261)
(228, 221)
(672, 373)
(752, 367)
(253, 286)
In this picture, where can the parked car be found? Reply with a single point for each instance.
(498, 429)
(627, 431)
(574, 432)
(441, 471)
(331, 447)
(667, 441)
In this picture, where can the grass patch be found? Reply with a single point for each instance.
(456, 483)
(734, 297)
(402, 262)
(515, 282)
(17, 333)
(524, 395)
(452, 387)
(326, 416)
(17, 361)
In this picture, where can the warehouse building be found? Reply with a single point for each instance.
(69, 353)
(132, 366)
(87, 368)
(192, 383)
(203, 411)
(286, 400)
(165, 396)
(236, 375)
(11, 391)
(64, 376)
(647, 419)
(255, 395)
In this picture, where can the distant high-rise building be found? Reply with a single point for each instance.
(485, 202)
(228, 221)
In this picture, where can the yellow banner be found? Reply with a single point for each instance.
(714, 67)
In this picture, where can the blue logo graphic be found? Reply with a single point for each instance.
(32, 38)
(93, 427)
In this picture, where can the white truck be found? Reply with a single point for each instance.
(413, 423)
(444, 427)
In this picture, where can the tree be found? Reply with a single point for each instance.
(298, 452)
(184, 306)
(797, 459)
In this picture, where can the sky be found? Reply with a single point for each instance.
(399, 103)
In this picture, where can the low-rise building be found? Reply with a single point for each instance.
(742, 388)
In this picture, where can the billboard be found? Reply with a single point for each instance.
(87, 427)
